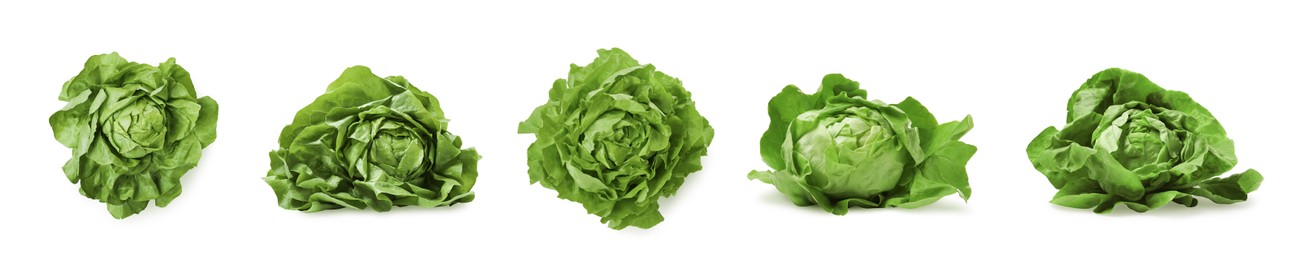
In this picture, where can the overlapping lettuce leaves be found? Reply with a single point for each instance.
(837, 149)
(615, 137)
(1126, 140)
(134, 130)
(371, 142)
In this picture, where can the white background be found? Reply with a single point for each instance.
(1012, 65)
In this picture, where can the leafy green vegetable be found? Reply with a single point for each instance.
(837, 149)
(134, 130)
(371, 142)
(615, 137)
(1129, 141)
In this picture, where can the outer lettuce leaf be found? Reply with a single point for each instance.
(616, 136)
(1128, 141)
(134, 130)
(371, 142)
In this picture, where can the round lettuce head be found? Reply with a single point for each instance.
(134, 130)
(1129, 141)
(615, 137)
(371, 142)
(837, 149)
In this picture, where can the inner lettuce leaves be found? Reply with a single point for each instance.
(1128, 141)
(371, 142)
(616, 136)
(134, 130)
(836, 149)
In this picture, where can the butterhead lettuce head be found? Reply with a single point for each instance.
(616, 136)
(836, 149)
(134, 130)
(1128, 141)
(371, 142)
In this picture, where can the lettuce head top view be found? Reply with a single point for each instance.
(836, 149)
(1129, 141)
(616, 136)
(134, 130)
(371, 142)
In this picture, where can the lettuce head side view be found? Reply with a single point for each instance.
(616, 136)
(371, 142)
(836, 149)
(1128, 141)
(134, 130)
